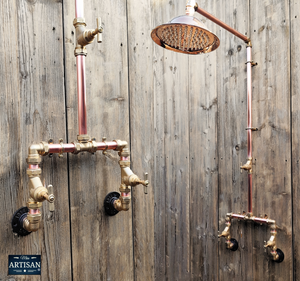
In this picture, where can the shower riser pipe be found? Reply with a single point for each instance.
(81, 82)
(249, 122)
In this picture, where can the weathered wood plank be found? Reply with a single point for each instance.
(101, 245)
(143, 144)
(232, 139)
(295, 115)
(272, 143)
(32, 104)
(172, 257)
(203, 135)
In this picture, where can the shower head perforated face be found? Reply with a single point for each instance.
(185, 34)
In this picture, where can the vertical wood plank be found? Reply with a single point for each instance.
(101, 245)
(203, 106)
(232, 140)
(295, 115)
(171, 94)
(272, 143)
(143, 144)
(32, 110)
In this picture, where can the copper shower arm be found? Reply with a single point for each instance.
(222, 24)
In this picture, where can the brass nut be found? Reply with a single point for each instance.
(34, 205)
(45, 151)
(33, 172)
(120, 144)
(34, 218)
(79, 50)
(93, 148)
(79, 21)
(124, 152)
(33, 159)
(124, 164)
(124, 188)
(77, 147)
(83, 138)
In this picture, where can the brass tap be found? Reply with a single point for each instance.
(86, 36)
(247, 166)
(226, 232)
(272, 241)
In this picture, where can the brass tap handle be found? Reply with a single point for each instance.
(146, 183)
(100, 30)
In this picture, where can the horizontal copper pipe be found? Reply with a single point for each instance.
(70, 147)
(222, 24)
(111, 145)
(252, 218)
(57, 148)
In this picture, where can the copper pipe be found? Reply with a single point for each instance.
(57, 148)
(249, 100)
(79, 9)
(222, 24)
(237, 216)
(250, 193)
(252, 218)
(70, 147)
(249, 121)
(81, 91)
(112, 145)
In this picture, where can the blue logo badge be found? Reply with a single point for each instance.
(24, 265)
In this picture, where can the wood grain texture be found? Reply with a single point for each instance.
(32, 110)
(232, 140)
(171, 105)
(143, 142)
(203, 134)
(272, 143)
(101, 245)
(295, 115)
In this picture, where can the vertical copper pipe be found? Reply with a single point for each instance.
(79, 8)
(222, 24)
(81, 91)
(249, 121)
(81, 85)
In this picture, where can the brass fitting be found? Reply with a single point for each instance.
(247, 166)
(84, 143)
(272, 241)
(226, 232)
(123, 203)
(134, 180)
(85, 36)
(32, 222)
(121, 145)
(34, 152)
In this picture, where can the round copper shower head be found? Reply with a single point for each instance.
(185, 34)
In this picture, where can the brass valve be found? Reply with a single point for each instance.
(247, 166)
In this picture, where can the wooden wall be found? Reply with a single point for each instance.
(185, 119)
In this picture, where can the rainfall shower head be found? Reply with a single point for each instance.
(185, 34)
